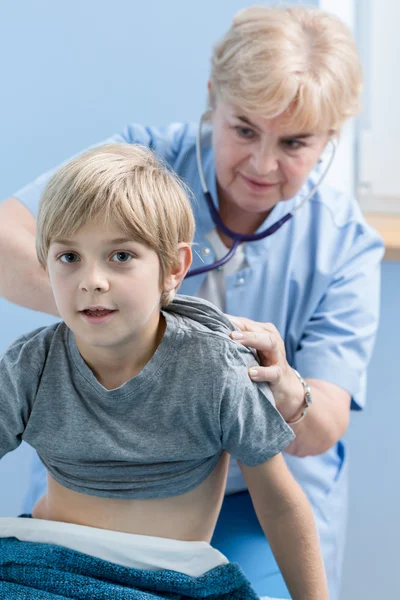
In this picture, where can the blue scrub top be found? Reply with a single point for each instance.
(316, 279)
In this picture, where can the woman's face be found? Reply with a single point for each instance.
(259, 161)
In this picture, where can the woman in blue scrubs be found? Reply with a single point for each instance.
(283, 81)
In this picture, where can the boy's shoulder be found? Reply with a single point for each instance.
(30, 349)
(203, 325)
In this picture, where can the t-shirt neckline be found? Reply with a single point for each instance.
(149, 371)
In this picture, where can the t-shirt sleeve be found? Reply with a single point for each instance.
(19, 376)
(337, 343)
(252, 429)
(165, 142)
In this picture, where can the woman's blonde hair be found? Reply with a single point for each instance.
(296, 59)
(122, 184)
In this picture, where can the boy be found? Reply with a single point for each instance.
(133, 401)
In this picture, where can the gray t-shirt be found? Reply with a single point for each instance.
(162, 432)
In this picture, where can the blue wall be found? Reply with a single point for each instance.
(74, 72)
(372, 554)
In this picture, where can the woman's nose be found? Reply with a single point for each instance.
(264, 161)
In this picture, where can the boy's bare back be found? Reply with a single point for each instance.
(188, 517)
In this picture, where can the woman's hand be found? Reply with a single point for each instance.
(274, 369)
(327, 419)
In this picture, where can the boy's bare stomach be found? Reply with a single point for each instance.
(189, 517)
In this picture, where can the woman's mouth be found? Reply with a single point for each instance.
(256, 185)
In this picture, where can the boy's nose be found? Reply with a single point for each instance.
(94, 281)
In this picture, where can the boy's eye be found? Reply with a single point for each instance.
(69, 257)
(121, 257)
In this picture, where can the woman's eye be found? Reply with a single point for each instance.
(69, 257)
(245, 132)
(121, 257)
(293, 144)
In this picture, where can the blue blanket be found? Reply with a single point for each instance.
(33, 571)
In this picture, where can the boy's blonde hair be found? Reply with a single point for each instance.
(122, 184)
(296, 59)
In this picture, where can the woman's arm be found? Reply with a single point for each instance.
(286, 518)
(22, 279)
(326, 421)
(333, 349)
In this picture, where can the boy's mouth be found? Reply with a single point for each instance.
(97, 312)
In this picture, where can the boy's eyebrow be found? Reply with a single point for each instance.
(121, 240)
(63, 242)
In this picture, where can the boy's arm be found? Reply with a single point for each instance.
(20, 368)
(286, 518)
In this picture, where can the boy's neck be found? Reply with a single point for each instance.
(115, 365)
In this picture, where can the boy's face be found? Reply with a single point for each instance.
(106, 287)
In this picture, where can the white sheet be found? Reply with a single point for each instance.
(127, 549)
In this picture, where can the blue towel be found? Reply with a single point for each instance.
(34, 571)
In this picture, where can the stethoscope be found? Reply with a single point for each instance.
(239, 238)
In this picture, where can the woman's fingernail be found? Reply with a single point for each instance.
(253, 372)
(237, 335)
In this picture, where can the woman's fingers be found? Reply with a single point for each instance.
(270, 374)
(265, 338)
(262, 340)
(245, 324)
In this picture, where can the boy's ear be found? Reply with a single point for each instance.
(175, 276)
